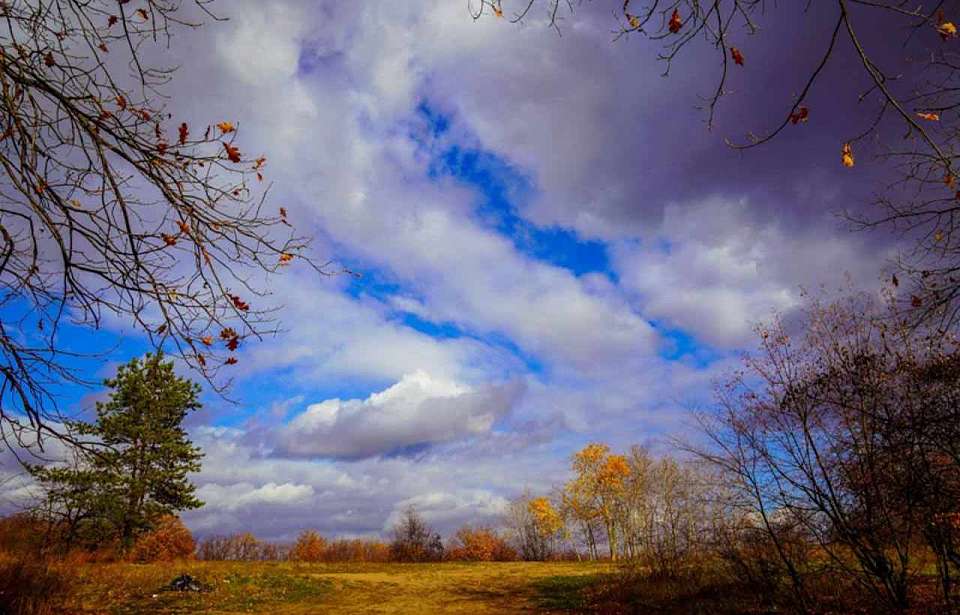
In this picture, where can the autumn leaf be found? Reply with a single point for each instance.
(283, 213)
(183, 132)
(143, 13)
(802, 114)
(895, 281)
(226, 127)
(48, 59)
(938, 236)
(950, 180)
(161, 148)
(207, 340)
(239, 304)
(184, 228)
(930, 117)
(232, 153)
(285, 258)
(103, 47)
(258, 163)
(634, 21)
(228, 333)
(846, 155)
(233, 343)
(121, 102)
(170, 240)
(915, 301)
(201, 360)
(111, 20)
(736, 55)
(498, 11)
(230, 361)
(947, 30)
(675, 22)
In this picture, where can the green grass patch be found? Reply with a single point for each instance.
(565, 593)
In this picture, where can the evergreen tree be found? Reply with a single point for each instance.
(137, 471)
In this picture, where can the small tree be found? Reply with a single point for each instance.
(137, 470)
(414, 540)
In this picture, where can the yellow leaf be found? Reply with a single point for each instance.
(930, 117)
(226, 127)
(846, 155)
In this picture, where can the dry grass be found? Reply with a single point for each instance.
(300, 588)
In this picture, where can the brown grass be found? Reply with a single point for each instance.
(299, 588)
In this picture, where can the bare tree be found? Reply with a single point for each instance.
(913, 89)
(843, 435)
(110, 207)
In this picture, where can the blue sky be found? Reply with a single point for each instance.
(551, 250)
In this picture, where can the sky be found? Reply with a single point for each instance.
(552, 248)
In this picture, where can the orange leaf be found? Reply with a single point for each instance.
(183, 227)
(202, 361)
(143, 13)
(634, 21)
(226, 127)
(230, 361)
(207, 340)
(285, 258)
(184, 132)
(232, 153)
(498, 11)
(675, 22)
(801, 114)
(947, 30)
(239, 304)
(283, 213)
(170, 240)
(846, 155)
(736, 55)
(930, 117)
(121, 102)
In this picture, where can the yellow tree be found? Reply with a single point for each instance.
(599, 487)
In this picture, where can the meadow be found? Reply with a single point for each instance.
(300, 588)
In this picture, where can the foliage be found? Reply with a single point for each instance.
(310, 547)
(480, 544)
(34, 586)
(169, 540)
(134, 471)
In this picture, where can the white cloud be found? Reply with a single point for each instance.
(419, 409)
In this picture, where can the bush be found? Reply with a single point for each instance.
(167, 541)
(414, 540)
(243, 547)
(480, 544)
(310, 547)
(33, 586)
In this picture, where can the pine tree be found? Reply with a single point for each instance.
(138, 470)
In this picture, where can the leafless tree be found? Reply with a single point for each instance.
(843, 434)
(913, 89)
(112, 208)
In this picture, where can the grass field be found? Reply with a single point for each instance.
(295, 588)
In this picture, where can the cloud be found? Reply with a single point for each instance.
(714, 271)
(417, 410)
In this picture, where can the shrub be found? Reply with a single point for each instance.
(480, 544)
(310, 547)
(168, 540)
(243, 547)
(33, 586)
(414, 540)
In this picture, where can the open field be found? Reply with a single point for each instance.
(295, 588)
